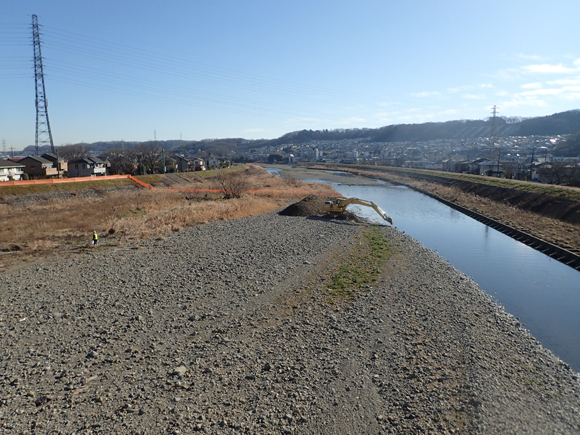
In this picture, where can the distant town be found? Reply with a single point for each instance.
(488, 148)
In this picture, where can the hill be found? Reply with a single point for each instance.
(556, 124)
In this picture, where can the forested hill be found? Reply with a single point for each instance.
(559, 123)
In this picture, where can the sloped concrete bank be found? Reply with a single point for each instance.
(564, 256)
(225, 328)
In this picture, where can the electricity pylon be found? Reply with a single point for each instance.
(493, 136)
(43, 133)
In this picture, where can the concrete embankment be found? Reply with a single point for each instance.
(226, 328)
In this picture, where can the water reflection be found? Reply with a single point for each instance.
(542, 292)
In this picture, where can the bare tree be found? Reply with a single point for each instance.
(74, 152)
(558, 172)
(150, 155)
(233, 184)
(123, 160)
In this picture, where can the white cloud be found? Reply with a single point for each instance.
(474, 96)
(531, 86)
(470, 87)
(573, 96)
(254, 130)
(564, 82)
(352, 120)
(528, 57)
(425, 94)
(548, 69)
(519, 101)
(553, 91)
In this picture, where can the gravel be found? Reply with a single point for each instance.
(224, 328)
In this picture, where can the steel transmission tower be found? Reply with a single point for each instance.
(43, 133)
(493, 136)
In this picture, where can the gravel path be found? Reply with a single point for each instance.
(222, 328)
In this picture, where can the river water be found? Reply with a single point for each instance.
(541, 292)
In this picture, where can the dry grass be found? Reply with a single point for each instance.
(43, 188)
(140, 213)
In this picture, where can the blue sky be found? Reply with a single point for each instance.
(127, 70)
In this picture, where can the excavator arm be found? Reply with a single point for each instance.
(340, 204)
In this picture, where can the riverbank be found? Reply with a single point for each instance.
(228, 327)
(563, 234)
(45, 220)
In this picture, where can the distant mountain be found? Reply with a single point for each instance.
(558, 123)
(568, 147)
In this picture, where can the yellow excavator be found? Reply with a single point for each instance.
(339, 205)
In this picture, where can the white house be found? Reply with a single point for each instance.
(10, 170)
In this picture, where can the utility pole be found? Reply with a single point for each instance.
(4, 147)
(532, 163)
(43, 133)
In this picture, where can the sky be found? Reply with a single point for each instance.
(193, 70)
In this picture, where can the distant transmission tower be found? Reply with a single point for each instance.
(493, 135)
(43, 133)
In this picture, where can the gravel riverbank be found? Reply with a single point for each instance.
(223, 328)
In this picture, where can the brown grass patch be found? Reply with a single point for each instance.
(133, 214)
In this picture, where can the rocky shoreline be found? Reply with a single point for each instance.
(225, 328)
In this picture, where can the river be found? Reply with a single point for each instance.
(541, 292)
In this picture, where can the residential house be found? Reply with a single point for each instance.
(10, 170)
(38, 167)
(491, 168)
(60, 163)
(87, 167)
(212, 162)
(181, 164)
(198, 164)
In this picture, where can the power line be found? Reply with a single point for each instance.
(136, 57)
(43, 133)
(253, 92)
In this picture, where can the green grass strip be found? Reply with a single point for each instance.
(364, 267)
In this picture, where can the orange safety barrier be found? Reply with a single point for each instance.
(148, 186)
